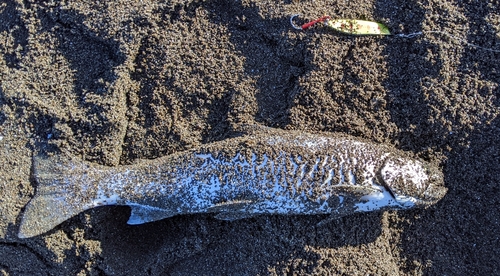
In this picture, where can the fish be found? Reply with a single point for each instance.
(263, 172)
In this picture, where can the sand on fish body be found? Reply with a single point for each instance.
(265, 172)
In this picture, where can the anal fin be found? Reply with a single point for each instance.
(145, 213)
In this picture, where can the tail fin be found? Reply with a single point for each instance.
(54, 201)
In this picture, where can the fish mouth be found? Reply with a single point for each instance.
(434, 193)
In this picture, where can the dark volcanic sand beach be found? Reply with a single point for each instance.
(117, 81)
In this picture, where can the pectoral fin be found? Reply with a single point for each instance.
(144, 213)
(232, 210)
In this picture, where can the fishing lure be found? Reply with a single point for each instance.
(347, 26)
(363, 27)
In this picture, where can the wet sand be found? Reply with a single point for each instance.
(120, 81)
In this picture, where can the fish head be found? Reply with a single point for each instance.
(412, 183)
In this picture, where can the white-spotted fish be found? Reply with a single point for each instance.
(264, 172)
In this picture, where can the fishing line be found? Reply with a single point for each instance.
(363, 27)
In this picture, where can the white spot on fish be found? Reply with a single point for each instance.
(273, 172)
(329, 178)
(409, 171)
(106, 198)
(352, 178)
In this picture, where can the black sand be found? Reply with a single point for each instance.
(123, 80)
